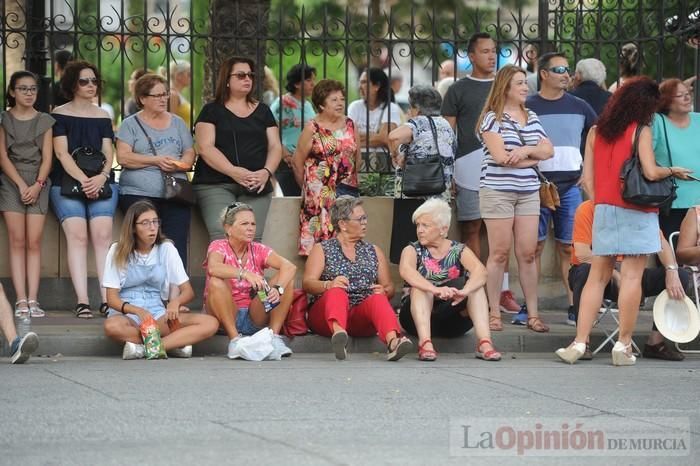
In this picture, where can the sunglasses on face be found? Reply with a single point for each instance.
(82, 82)
(26, 90)
(560, 69)
(241, 75)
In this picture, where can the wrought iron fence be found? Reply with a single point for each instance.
(411, 39)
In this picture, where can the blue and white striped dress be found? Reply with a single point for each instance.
(497, 177)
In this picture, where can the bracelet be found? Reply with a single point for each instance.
(326, 283)
(269, 173)
(122, 308)
(671, 170)
(41, 182)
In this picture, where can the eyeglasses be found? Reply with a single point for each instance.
(149, 223)
(683, 96)
(560, 69)
(27, 90)
(85, 81)
(159, 96)
(241, 75)
(362, 219)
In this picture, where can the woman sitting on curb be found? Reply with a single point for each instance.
(235, 274)
(351, 284)
(140, 270)
(447, 295)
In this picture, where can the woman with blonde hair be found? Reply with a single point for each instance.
(180, 77)
(514, 142)
(144, 277)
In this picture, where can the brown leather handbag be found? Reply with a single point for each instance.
(549, 194)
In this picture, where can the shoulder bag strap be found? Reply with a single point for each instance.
(433, 129)
(540, 175)
(381, 115)
(148, 138)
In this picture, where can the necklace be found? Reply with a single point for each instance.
(239, 259)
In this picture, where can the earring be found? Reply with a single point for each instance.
(228, 85)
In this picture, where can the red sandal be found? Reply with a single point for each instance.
(426, 354)
(489, 355)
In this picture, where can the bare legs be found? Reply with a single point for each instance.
(194, 328)
(25, 233)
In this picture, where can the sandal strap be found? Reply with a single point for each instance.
(82, 309)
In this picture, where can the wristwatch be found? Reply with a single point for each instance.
(280, 289)
(672, 267)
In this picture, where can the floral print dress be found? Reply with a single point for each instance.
(331, 161)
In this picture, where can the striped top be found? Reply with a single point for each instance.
(500, 178)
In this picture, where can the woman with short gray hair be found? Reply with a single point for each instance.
(350, 284)
(446, 281)
(417, 139)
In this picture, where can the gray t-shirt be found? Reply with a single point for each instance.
(465, 99)
(171, 141)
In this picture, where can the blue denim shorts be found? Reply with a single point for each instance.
(625, 232)
(563, 217)
(244, 324)
(154, 305)
(67, 207)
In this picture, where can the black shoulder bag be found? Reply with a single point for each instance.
(91, 162)
(639, 190)
(174, 189)
(424, 176)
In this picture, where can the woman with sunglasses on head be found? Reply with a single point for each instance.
(239, 148)
(25, 160)
(150, 144)
(351, 285)
(145, 277)
(80, 124)
(235, 287)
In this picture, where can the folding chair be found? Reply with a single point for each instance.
(695, 279)
(610, 310)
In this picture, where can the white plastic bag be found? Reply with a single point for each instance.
(256, 347)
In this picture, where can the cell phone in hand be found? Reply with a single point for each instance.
(694, 178)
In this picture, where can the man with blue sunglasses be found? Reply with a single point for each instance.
(566, 120)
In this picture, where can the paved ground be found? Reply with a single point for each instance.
(311, 409)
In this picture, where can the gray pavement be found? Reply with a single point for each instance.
(310, 409)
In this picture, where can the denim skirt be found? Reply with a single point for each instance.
(626, 232)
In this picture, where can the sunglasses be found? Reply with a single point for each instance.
(241, 75)
(560, 69)
(85, 81)
(236, 206)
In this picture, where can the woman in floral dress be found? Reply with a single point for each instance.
(325, 163)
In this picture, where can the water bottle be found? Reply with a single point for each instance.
(262, 296)
(24, 324)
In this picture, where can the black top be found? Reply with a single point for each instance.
(81, 132)
(592, 93)
(242, 140)
(57, 94)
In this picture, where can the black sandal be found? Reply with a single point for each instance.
(104, 308)
(82, 311)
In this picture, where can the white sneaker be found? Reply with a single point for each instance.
(232, 347)
(184, 352)
(133, 351)
(23, 348)
(279, 349)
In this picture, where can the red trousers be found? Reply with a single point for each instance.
(372, 316)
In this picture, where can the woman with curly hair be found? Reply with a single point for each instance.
(619, 228)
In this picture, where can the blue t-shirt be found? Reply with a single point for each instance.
(684, 152)
(171, 141)
(566, 121)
